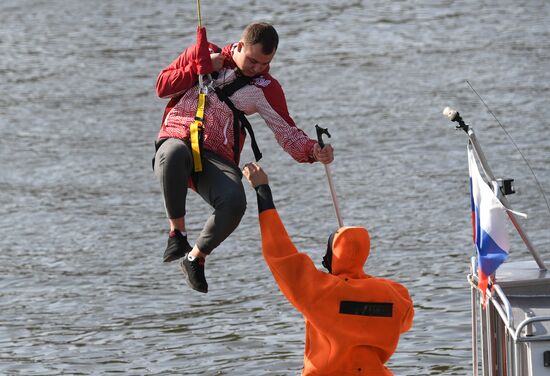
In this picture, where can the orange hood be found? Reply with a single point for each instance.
(350, 250)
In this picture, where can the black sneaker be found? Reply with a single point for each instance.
(194, 273)
(177, 246)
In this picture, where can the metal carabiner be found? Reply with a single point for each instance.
(206, 83)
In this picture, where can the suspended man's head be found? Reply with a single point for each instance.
(256, 48)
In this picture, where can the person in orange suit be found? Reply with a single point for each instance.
(353, 320)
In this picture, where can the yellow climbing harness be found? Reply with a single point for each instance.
(196, 129)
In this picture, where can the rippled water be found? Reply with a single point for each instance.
(82, 227)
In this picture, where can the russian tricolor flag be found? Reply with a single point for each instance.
(489, 224)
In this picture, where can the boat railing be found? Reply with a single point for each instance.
(508, 347)
(506, 311)
(504, 308)
(520, 335)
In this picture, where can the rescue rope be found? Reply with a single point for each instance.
(199, 12)
(196, 128)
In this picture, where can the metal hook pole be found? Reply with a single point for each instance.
(320, 131)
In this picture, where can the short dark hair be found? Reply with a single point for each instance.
(263, 33)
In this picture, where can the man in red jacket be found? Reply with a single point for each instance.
(206, 156)
(353, 320)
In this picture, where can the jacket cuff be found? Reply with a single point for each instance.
(265, 199)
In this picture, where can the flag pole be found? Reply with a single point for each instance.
(453, 115)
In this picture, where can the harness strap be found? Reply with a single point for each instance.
(240, 122)
(195, 129)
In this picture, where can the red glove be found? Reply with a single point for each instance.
(204, 63)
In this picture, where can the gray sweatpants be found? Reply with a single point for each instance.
(219, 184)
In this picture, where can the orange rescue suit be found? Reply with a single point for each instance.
(353, 320)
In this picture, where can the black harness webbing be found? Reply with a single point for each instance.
(240, 122)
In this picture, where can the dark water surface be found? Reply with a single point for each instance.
(82, 226)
